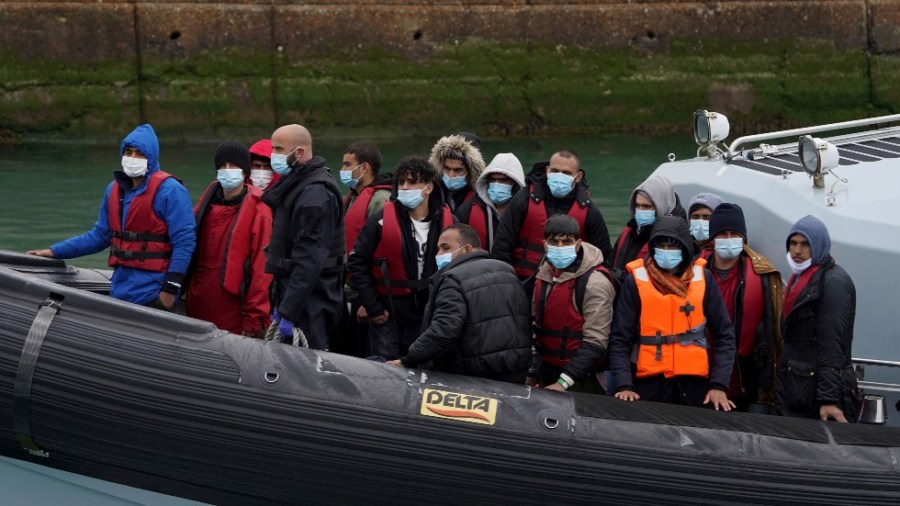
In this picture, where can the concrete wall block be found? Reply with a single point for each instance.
(885, 76)
(79, 109)
(885, 25)
(305, 30)
(181, 38)
(68, 32)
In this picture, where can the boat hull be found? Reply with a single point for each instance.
(173, 405)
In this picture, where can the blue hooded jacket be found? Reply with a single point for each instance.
(172, 204)
(816, 235)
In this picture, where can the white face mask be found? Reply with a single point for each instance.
(261, 178)
(134, 167)
(796, 268)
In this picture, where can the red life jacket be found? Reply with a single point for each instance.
(622, 244)
(355, 216)
(237, 251)
(388, 268)
(750, 287)
(143, 243)
(469, 197)
(529, 248)
(794, 288)
(477, 219)
(558, 322)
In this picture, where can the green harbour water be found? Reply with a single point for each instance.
(52, 191)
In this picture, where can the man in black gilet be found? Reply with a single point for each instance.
(306, 253)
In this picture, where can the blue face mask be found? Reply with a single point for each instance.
(280, 165)
(499, 193)
(444, 259)
(729, 248)
(560, 184)
(454, 183)
(230, 178)
(410, 198)
(347, 177)
(700, 229)
(667, 258)
(644, 217)
(561, 256)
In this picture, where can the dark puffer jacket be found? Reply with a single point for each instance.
(477, 321)
(815, 368)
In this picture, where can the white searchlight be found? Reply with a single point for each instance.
(710, 128)
(818, 158)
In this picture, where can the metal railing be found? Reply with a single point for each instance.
(885, 387)
(732, 149)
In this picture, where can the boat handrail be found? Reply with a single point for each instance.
(872, 385)
(872, 361)
(732, 149)
(884, 387)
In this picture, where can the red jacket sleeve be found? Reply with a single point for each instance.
(256, 309)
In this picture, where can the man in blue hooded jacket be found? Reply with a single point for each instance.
(815, 374)
(146, 220)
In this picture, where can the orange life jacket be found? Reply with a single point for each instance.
(672, 328)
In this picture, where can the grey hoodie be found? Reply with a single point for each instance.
(659, 190)
(816, 235)
(506, 164)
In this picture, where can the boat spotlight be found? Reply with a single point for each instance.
(817, 156)
(710, 128)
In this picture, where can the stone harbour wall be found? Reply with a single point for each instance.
(207, 70)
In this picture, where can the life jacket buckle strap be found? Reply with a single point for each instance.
(140, 236)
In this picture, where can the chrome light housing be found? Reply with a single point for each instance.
(710, 128)
(817, 157)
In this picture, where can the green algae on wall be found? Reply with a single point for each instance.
(493, 87)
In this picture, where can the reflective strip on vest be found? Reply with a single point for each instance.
(672, 329)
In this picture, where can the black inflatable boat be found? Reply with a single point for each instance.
(161, 402)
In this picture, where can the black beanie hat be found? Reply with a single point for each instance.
(233, 152)
(727, 217)
(473, 139)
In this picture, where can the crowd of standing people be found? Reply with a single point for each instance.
(450, 263)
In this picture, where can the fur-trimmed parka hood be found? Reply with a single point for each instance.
(457, 147)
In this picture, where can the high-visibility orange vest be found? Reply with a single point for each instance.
(672, 328)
